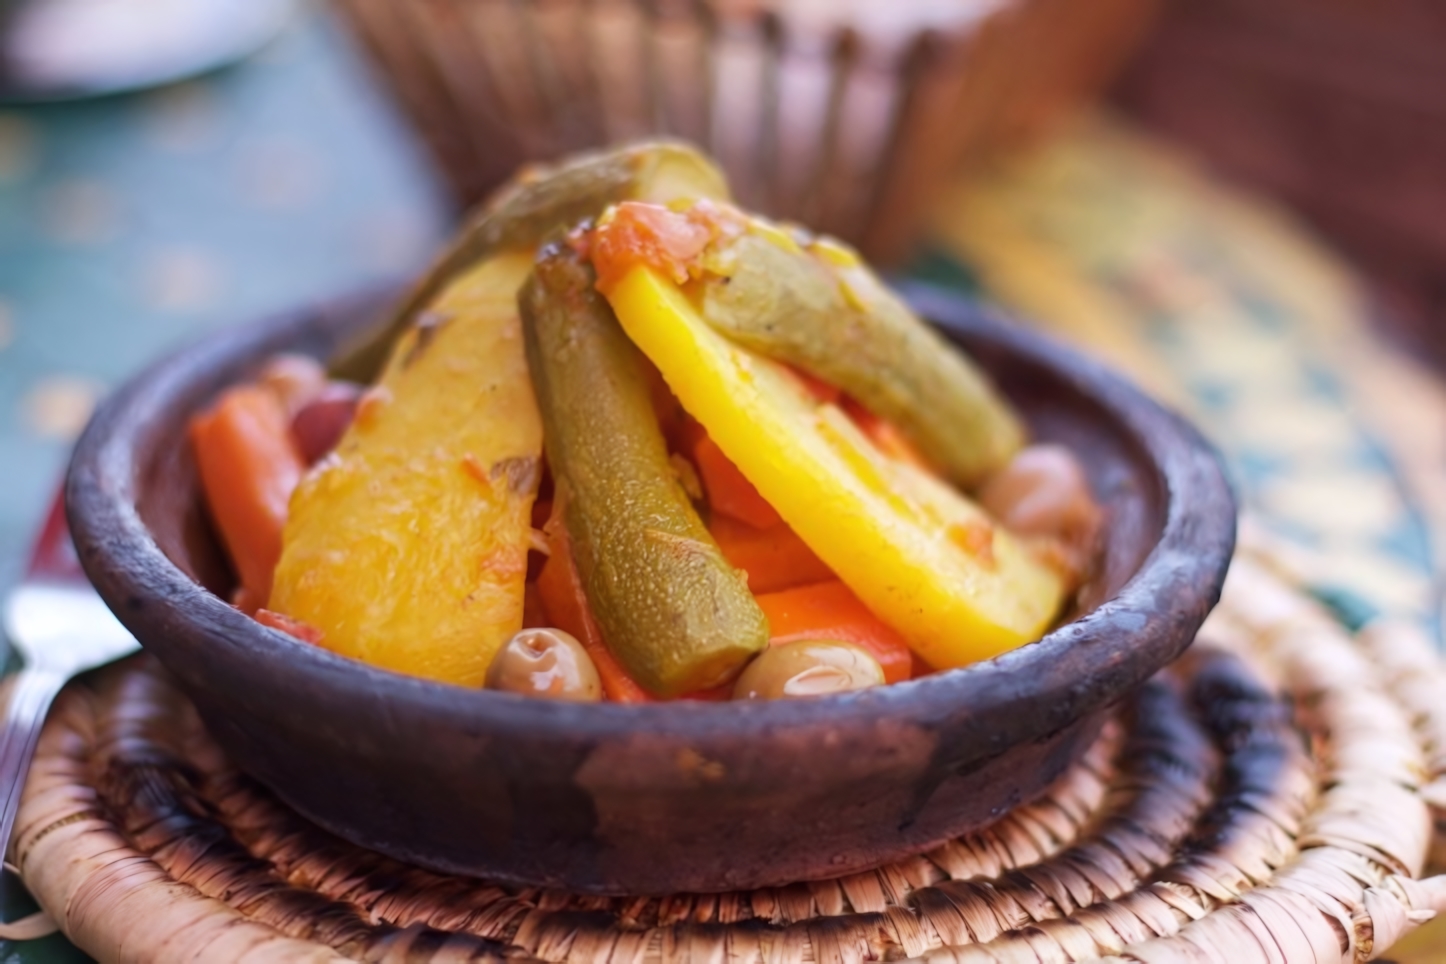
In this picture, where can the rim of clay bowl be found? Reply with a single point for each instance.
(1074, 669)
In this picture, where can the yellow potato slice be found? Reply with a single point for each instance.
(407, 547)
(923, 557)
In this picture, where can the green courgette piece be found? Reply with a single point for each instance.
(524, 212)
(831, 317)
(672, 610)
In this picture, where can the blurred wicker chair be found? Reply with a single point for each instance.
(1336, 106)
(844, 115)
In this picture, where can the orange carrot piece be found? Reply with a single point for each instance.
(728, 491)
(829, 610)
(774, 558)
(305, 632)
(249, 464)
(886, 436)
(560, 590)
(821, 390)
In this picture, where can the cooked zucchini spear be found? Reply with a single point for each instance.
(921, 556)
(670, 607)
(525, 211)
(823, 311)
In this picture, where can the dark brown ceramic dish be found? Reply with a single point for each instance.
(670, 797)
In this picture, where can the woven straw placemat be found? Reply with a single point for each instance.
(1267, 799)
(1223, 304)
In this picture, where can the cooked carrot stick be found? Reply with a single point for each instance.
(305, 632)
(249, 465)
(817, 387)
(828, 610)
(774, 558)
(565, 602)
(886, 436)
(534, 611)
(728, 491)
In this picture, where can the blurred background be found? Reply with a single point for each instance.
(1240, 202)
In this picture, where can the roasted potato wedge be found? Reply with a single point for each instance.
(407, 546)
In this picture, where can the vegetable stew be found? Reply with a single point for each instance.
(628, 442)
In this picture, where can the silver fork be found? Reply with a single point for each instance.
(62, 628)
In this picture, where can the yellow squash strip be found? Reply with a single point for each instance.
(924, 558)
(407, 548)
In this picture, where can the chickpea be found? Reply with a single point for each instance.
(296, 379)
(1043, 491)
(548, 663)
(1044, 496)
(809, 667)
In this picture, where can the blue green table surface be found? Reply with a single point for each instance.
(132, 224)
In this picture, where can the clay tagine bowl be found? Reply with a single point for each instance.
(655, 799)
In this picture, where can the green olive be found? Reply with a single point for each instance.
(809, 667)
(548, 663)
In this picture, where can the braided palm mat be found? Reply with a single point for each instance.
(1265, 800)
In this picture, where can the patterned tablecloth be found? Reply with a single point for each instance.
(131, 224)
(1224, 306)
